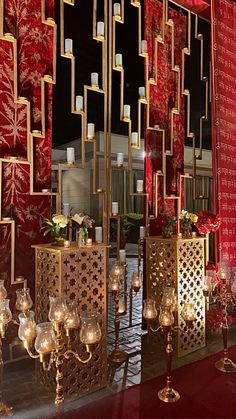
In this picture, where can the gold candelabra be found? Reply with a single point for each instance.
(166, 324)
(220, 291)
(49, 343)
(118, 272)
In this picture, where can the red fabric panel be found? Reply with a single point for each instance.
(34, 60)
(223, 123)
(163, 98)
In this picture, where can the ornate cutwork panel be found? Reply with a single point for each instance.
(182, 262)
(80, 275)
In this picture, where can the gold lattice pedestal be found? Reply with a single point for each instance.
(184, 261)
(80, 275)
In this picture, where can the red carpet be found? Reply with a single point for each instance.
(205, 393)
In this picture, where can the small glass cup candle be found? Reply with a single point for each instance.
(45, 190)
(166, 317)
(122, 307)
(120, 159)
(66, 209)
(140, 186)
(72, 320)
(98, 234)
(90, 131)
(115, 208)
(179, 235)
(122, 255)
(5, 312)
(144, 46)
(194, 234)
(142, 232)
(89, 242)
(116, 9)
(119, 61)
(23, 299)
(70, 151)
(127, 111)
(136, 281)
(90, 332)
(168, 298)
(149, 309)
(117, 269)
(94, 79)
(141, 92)
(134, 138)
(68, 46)
(79, 103)
(67, 243)
(100, 29)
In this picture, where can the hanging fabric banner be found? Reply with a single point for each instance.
(224, 124)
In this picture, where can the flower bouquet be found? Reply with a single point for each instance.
(208, 222)
(57, 227)
(167, 227)
(187, 218)
(214, 319)
(83, 222)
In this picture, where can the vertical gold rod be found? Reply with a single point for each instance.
(1, 17)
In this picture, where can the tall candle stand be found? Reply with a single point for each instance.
(222, 294)
(118, 272)
(166, 324)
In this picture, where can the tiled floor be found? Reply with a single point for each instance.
(146, 359)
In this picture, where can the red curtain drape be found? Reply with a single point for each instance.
(163, 97)
(34, 60)
(195, 6)
(224, 124)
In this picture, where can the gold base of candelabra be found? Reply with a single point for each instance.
(118, 356)
(168, 395)
(5, 410)
(225, 365)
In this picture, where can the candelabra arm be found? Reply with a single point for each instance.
(29, 352)
(77, 357)
(154, 330)
(47, 366)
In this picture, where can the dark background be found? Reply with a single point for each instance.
(78, 26)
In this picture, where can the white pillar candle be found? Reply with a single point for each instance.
(116, 9)
(79, 103)
(115, 208)
(94, 79)
(122, 255)
(126, 111)
(120, 159)
(144, 46)
(91, 131)
(100, 29)
(118, 60)
(67, 243)
(69, 46)
(66, 209)
(141, 92)
(139, 186)
(70, 151)
(134, 138)
(98, 234)
(142, 232)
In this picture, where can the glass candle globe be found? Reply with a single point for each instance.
(23, 299)
(45, 341)
(149, 309)
(224, 271)
(136, 281)
(188, 312)
(27, 328)
(5, 312)
(117, 270)
(114, 283)
(72, 320)
(3, 291)
(168, 298)
(58, 309)
(166, 318)
(90, 332)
